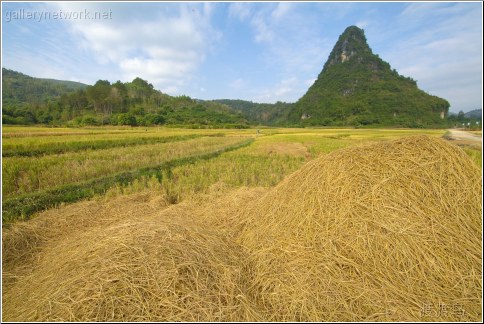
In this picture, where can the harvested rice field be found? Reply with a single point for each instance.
(160, 224)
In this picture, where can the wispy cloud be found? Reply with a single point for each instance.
(239, 10)
(165, 47)
(293, 44)
(40, 49)
(444, 55)
(284, 90)
(237, 84)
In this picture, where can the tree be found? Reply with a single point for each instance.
(141, 88)
(461, 116)
(98, 94)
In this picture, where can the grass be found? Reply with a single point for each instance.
(28, 174)
(475, 155)
(23, 206)
(339, 231)
(31, 133)
(33, 148)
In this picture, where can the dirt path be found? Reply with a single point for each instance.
(465, 138)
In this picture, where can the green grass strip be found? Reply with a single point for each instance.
(64, 147)
(22, 207)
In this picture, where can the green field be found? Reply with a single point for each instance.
(45, 167)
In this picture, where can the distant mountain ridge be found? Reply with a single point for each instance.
(356, 87)
(20, 88)
(476, 113)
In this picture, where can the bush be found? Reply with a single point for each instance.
(127, 119)
(89, 121)
(153, 119)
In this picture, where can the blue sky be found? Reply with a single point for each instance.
(264, 52)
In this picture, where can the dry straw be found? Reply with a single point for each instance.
(137, 260)
(389, 231)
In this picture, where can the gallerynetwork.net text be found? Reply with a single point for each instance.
(39, 16)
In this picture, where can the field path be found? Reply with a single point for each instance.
(464, 139)
(460, 135)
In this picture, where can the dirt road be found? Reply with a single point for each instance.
(460, 135)
(465, 138)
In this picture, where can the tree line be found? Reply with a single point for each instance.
(130, 103)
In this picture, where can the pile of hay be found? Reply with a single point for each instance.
(389, 231)
(180, 263)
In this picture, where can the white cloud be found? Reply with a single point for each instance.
(291, 36)
(237, 84)
(165, 48)
(239, 10)
(443, 56)
(284, 90)
(362, 24)
(263, 31)
(309, 82)
(286, 87)
(282, 9)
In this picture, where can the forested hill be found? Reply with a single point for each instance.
(260, 113)
(356, 87)
(21, 88)
(476, 113)
(28, 100)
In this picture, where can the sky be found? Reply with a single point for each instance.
(258, 51)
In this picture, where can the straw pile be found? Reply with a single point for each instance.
(176, 265)
(390, 231)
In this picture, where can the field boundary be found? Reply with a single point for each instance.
(22, 207)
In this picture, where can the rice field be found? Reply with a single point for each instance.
(60, 161)
(161, 224)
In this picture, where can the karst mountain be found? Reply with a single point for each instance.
(356, 87)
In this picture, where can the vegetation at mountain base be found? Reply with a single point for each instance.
(260, 113)
(470, 120)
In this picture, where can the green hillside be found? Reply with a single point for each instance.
(21, 88)
(356, 87)
(28, 100)
(260, 113)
